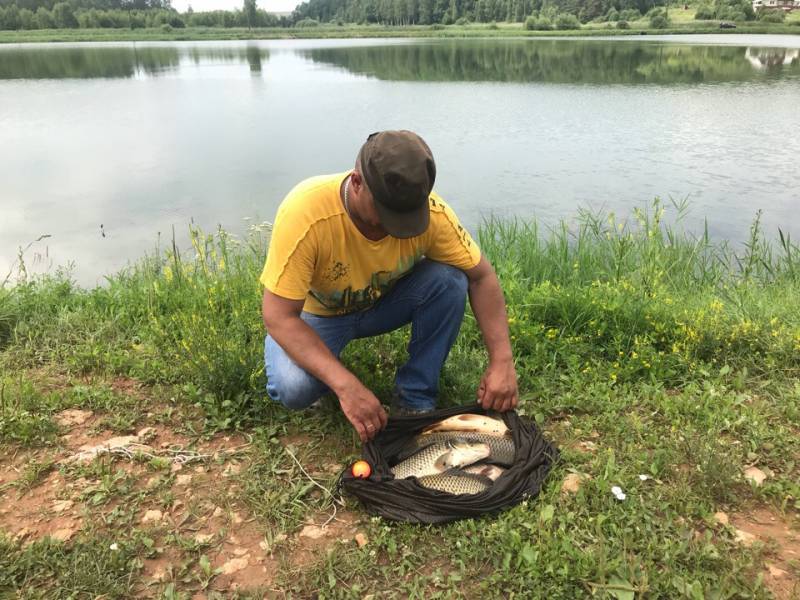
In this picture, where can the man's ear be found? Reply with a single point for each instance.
(357, 181)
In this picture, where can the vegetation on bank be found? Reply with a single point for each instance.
(501, 30)
(155, 19)
(659, 361)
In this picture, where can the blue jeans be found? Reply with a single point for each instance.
(431, 297)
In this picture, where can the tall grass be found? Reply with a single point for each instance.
(619, 300)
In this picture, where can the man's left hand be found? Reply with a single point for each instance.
(498, 387)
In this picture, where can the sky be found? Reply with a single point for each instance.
(202, 5)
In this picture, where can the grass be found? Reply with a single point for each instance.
(642, 350)
(681, 23)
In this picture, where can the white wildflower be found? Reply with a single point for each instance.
(114, 546)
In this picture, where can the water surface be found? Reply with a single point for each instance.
(141, 138)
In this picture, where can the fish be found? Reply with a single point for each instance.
(490, 471)
(502, 447)
(456, 481)
(469, 422)
(440, 457)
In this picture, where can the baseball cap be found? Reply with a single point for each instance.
(399, 170)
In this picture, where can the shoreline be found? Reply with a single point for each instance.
(366, 32)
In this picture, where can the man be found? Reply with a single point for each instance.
(365, 252)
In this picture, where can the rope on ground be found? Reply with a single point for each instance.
(131, 450)
(319, 485)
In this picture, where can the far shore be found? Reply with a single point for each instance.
(502, 30)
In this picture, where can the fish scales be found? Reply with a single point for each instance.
(502, 447)
(456, 482)
(438, 457)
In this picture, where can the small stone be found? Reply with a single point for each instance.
(744, 538)
(200, 469)
(236, 518)
(63, 534)
(721, 518)
(232, 469)
(218, 512)
(361, 539)
(152, 516)
(62, 505)
(203, 538)
(572, 483)
(183, 480)
(239, 551)
(146, 432)
(756, 475)
(152, 482)
(234, 565)
(776, 572)
(73, 416)
(312, 531)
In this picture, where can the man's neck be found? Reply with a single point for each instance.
(351, 207)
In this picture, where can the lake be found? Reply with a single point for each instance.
(106, 146)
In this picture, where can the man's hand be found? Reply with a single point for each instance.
(498, 387)
(362, 409)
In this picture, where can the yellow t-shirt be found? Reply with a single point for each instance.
(317, 253)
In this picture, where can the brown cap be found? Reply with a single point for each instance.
(399, 170)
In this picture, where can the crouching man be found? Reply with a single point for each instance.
(362, 253)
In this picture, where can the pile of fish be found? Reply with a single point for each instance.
(464, 454)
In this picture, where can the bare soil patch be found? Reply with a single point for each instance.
(782, 539)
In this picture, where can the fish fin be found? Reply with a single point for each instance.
(444, 462)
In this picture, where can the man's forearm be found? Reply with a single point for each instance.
(308, 350)
(489, 307)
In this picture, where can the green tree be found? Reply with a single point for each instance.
(44, 18)
(10, 18)
(27, 19)
(250, 12)
(64, 16)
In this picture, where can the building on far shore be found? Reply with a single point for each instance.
(785, 5)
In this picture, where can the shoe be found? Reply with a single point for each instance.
(404, 411)
(399, 409)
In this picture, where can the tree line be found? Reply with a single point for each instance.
(430, 12)
(128, 14)
(537, 14)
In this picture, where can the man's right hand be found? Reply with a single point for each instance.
(362, 409)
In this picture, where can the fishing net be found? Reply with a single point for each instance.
(406, 500)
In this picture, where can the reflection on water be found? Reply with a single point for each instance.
(770, 58)
(87, 62)
(217, 132)
(563, 61)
